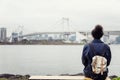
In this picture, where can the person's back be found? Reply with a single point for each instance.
(96, 47)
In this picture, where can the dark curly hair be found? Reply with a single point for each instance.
(97, 32)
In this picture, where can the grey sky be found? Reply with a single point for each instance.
(41, 15)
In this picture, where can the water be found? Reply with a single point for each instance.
(48, 59)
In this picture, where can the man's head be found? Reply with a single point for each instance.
(97, 32)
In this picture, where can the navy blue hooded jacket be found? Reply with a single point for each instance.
(88, 54)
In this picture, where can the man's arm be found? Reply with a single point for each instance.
(108, 55)
(84, 59)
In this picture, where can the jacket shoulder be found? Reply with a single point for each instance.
(107, 46)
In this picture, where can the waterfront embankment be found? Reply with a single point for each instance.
(40, 42)
(26, 77)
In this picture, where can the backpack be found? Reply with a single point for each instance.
(99, 62)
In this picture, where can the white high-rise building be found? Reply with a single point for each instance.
(3, 33)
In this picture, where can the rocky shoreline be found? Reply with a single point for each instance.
(26, 77)
(13, 77)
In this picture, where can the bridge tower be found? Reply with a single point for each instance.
(66, 24)
(66, 28)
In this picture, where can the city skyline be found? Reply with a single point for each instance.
(41, 15)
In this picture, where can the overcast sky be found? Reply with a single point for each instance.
(46, 15)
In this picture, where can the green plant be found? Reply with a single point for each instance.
(3, 79)
(118, 78)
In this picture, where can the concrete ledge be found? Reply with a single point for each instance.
(60, 78)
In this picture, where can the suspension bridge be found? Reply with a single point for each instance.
(66, 31)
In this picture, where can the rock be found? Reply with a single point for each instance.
(6, 75)
(64, 74)
(14, 77)
(27, 76)
(113, 76)
(78, 74)
(18, 76)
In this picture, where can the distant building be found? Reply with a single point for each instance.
(118, 40)
(106, 39)
(80, 38)
(14, 37)
(3, 33)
